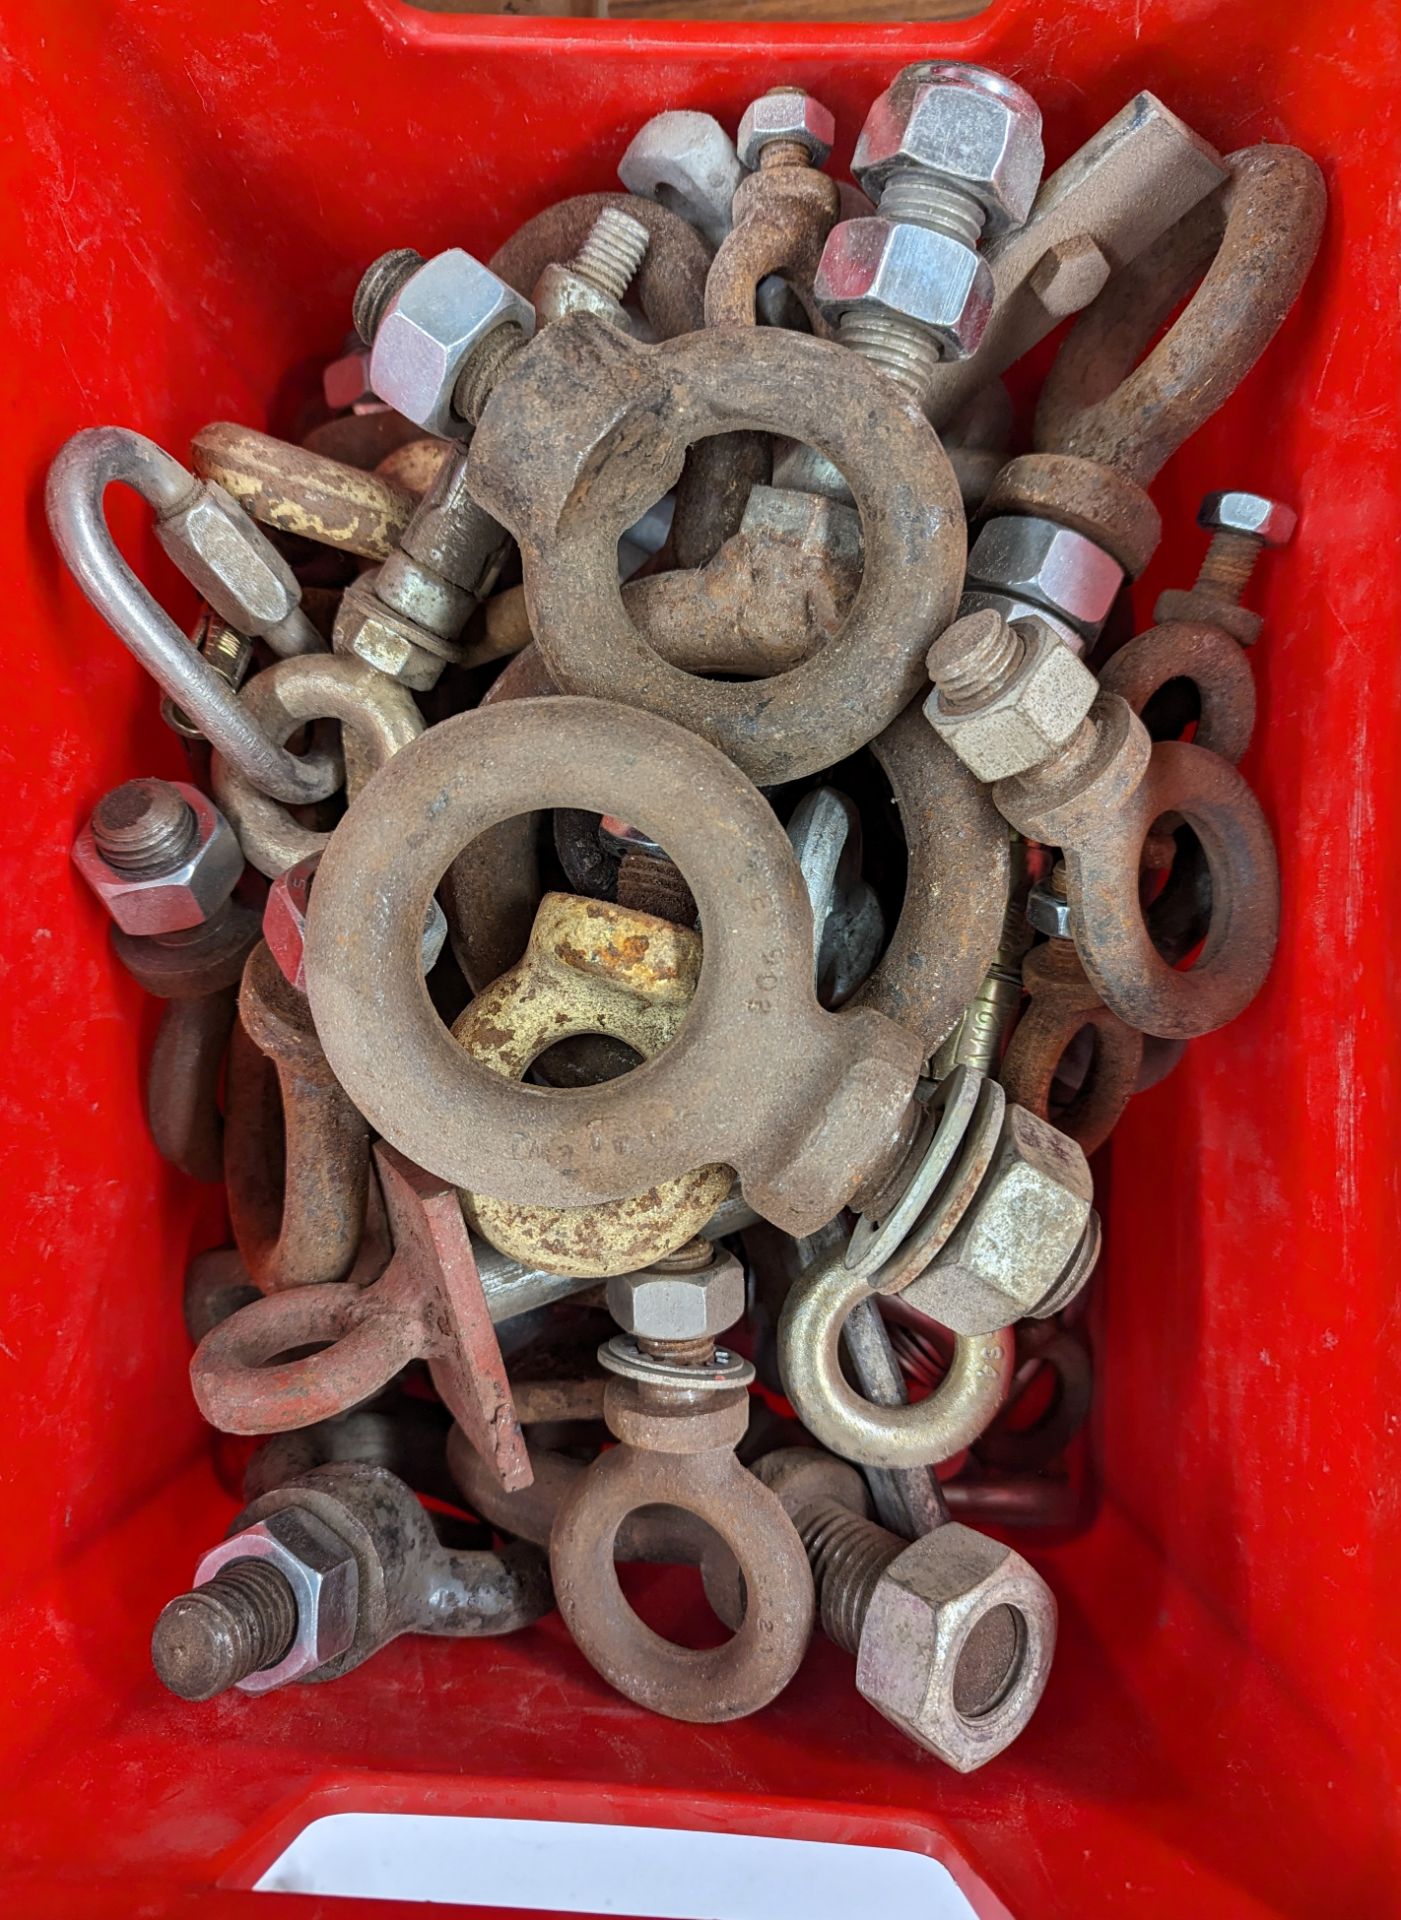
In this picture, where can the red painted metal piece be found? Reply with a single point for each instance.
(187, 197)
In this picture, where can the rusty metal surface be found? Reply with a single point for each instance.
(690, 1463)
(1256, 240)
(782, 216)
(1206, 657)
(377, 717)
(428, 1304)
(1086, 496)
(589, 428)
(801, 1141)
(296, 1152)
(182, 1083)
(591, 967)
(1063, 1005)
(361, 439)
(297, 491)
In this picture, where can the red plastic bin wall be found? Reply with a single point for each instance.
(188, 194)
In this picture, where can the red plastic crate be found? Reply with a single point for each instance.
(188, 194)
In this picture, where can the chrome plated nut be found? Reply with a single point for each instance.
(1029, 718)
(229, 561)
(890, 266)
(430, 329)
(323, 1575)
(386, 638)
(976, 129)
(679, 1306)
(1014, 1243)
(188, 895)
(789, 114)
(957, 1643)
(284, 923)
(1269, 521)
(687, 162)
(1049, 912)
(1050, 565)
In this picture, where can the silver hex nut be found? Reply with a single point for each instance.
(1268, 521)
(324, 1577)
(430, 329)
(975, 128)
(679, 1306)
(185, 895)
(229, 561)
(786, 114)
(1029, 718)
(1053, 566)
(1013, 1246)
(686, 162)
(893, 266)
(956, 1645)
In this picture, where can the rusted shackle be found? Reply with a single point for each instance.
(590, 428)
(799, 1101)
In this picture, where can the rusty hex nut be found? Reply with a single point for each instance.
(201, 876)
(956, 1645)
(977, 129)
(1030, 716)
(284, 922)
(893, 266)
(679, 1306)
(1005, 1258)
(324, 1577)
(430, 329)
(787, 114)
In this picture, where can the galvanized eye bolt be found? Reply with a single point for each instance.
(754, 957)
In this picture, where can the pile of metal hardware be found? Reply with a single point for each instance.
(684, 857)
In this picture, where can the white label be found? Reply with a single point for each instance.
(659, 1872)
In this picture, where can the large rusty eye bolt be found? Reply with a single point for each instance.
(801, 1102)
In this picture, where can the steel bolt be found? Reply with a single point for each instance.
(613, 250)
(381, 280)
(144, 826)
(209, 1639)
(1242, 525)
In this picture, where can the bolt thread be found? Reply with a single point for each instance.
(483, 369)
(783, 153)
(699, 1352)
(694, 1256)
(1228, 564)
(242, 1620)
(648, 883)
(847, 1554)
(903, 350)
(931, 200)
(1060, 881)
(379, 283)
(613, 251)
(983, 654)
(144, 826)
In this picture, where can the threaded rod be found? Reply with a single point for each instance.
(905, 351)
(922, 199)
(241, 1621)
(144, 826)
(650, 883)
(613, 250)
(974, 658)
(847, 1554)
(379, 283)
(484, 368)
(1228, 564)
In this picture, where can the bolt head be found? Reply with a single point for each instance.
(1032, 559)
(323, 1575)
(789, 115)
(1269, 521)
(955, 1593)
(430, 328)
(171, 902)
(976, 129)
(890, 266)
(1029, 719)
(679, 1306)
(229, 561)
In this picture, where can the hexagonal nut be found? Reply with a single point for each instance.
(789, 114)
(560, 290)
(1268, 521)
(1028, 718)
(429, 331)
(383, 637)
(186, 895)
(808, 521)
(1049, 912)
(1012, 1246)
(325, 1580)
(284, 922)
(956, 1645)
(686, 162)
(679, 1306)
(1050, 565)
(889, 266)
(981, 600)
(976, 129)
(229, 561)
